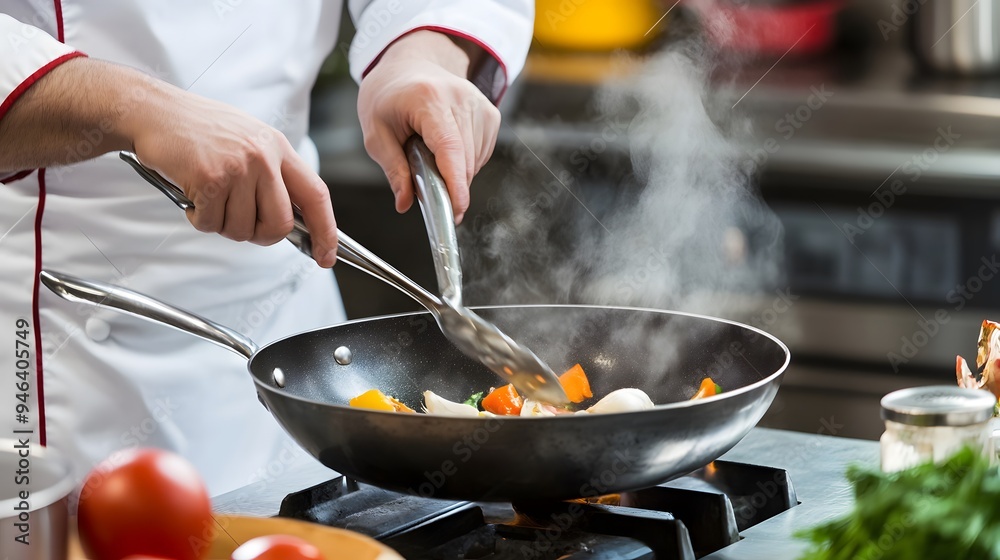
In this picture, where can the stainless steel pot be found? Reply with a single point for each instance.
(35, 485)
(958, 36)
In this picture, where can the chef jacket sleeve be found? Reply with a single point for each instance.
(502, 28)
(26, 54)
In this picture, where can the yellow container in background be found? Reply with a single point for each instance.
(596, 25)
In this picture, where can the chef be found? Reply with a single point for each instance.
(215, 96)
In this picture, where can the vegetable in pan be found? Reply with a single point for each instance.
(708, 388)
(576, 385)
(475, 399)
(505, 401)
(376, 400)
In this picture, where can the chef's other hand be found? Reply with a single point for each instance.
(242, 175)
(419, 86)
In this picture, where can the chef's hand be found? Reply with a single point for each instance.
(241, 174)
(420, 86)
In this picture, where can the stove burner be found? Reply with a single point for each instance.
(686, 518)
(474, 532)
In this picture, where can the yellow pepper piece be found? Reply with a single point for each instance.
(373, 399)
(376, 400)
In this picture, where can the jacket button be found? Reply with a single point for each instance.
(97, 329)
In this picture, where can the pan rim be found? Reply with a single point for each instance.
(680, 405)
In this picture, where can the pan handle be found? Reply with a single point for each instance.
(126, 301)
(348, 250)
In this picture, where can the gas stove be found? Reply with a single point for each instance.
(746, 505)
(688, 518)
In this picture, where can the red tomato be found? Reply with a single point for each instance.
(277, 547)
(145, 502)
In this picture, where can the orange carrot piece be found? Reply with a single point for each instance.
(503, 401)
(707, 389)
(399, 406)
(576, 384)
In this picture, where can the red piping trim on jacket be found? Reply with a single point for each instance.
(454, 33)
(34, 77)
(39, 381)
(60, 31)
(35, 314)
(16, 177)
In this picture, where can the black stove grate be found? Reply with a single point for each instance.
(368, 510)
(686, 518)
(469, 532)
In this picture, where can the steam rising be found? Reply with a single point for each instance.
(683, 230)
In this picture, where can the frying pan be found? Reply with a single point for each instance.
(307, 379)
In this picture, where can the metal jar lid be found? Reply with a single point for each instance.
(944, 405)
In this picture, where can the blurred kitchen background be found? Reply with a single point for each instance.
(876, 131)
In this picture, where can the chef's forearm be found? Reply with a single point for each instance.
(79, 110)
(501, 29)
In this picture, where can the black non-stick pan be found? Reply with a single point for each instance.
(306, 381)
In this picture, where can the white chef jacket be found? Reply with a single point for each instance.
(99, 381)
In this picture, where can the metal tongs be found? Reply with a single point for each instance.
(471, 334)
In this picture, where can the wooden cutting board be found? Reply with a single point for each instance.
(232, 531)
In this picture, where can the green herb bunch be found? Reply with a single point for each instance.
(947, 511)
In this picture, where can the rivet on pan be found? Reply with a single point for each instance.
(342, 355)
(279, 377)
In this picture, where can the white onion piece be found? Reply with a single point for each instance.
(622, 400)
(532, 407)
(434, 404)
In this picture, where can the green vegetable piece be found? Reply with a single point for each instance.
(475, 400)
(718, 389)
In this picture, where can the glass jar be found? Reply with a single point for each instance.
(932, 423)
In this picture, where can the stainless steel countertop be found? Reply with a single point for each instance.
(815, 466)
